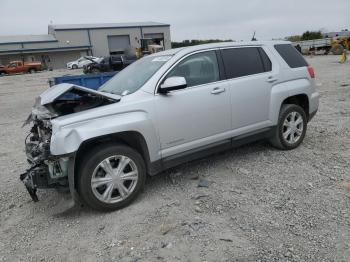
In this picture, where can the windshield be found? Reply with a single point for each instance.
(133, 77)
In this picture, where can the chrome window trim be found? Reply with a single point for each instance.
(207, 50)
(179, 61)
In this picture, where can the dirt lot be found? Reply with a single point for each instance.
(261, 204)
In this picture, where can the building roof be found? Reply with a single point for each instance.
(18, 39)
(106, 25)
(335, 34)
(45, 50)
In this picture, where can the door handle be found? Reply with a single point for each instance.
(271, 79)
(218, 90)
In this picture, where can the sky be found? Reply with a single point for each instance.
(189, 19)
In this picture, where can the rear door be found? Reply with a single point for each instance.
(21, 67)
(250, 78)
(198, 115)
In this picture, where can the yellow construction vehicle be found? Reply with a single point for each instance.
(338, 46)
(343, 57)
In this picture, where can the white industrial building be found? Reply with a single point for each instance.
(65, 43)
(344, 33)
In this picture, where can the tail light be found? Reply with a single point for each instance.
(311, 71)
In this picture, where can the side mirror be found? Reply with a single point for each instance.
(173, 83)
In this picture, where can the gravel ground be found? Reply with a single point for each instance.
(261, 204)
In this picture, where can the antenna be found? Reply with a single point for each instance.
(254, 39)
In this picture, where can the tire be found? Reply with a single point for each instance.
(284, 140)
(338, 49)
(93, 168)
(95, 71)
(32, 71)
(74, 67)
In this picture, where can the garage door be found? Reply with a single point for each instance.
(118, 42)
(154, 36)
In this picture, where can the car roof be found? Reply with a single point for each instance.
(190, 49)
(168, 52)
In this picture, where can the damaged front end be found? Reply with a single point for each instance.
(47, 170)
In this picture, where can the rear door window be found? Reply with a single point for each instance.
(291, 55)
(245, 61)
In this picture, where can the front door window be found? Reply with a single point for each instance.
(198, 69)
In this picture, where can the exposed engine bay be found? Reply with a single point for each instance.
(47, 170)
(77, 101)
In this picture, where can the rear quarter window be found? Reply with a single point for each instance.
(291, 55)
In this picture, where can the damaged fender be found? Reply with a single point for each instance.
(67, 138)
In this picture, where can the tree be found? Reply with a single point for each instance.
(310, 35)
(294, 38)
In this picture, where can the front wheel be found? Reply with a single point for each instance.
(111, 176)
(32, 71)
(74, 67)
(291, 128)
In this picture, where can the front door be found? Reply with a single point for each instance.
(198, 115)
(13, 68)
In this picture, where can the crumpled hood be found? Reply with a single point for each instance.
(44, 107)
(56, 91)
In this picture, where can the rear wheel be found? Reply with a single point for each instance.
(32, 71)
(291, 128)
(111, 176)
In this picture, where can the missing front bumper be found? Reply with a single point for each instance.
(31, 180)
(38, 177)
(28, 183)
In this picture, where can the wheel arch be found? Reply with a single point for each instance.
(301, 100)
(132, 139)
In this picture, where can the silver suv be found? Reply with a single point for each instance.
(163, 110)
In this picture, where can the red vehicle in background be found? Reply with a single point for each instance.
(16, 67)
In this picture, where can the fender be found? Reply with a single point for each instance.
(282, 91)
(66, 139)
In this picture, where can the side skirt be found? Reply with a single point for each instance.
(204, 151)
